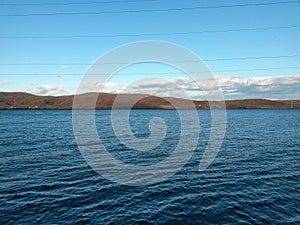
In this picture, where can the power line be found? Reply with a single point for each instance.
(74, 3)
(253, 58)
(146, 34)
(258, 69)
(179, 61)
(157, 73)
(149, 10)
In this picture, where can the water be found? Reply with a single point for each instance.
(254, 179)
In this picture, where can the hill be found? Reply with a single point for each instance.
(21, 100)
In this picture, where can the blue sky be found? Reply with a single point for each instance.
(244, 81)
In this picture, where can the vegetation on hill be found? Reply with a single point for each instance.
(21, 100)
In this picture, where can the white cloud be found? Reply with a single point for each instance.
(280, 87)
(66, 66)
(90, 86)
(61, 77)
(48, 90)
(6, 82)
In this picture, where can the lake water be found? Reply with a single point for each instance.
(255, 178)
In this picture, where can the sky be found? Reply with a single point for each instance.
(252, 47)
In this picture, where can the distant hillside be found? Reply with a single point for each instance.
(291, 101)
(21, 100)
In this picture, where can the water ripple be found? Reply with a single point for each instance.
(254, 180)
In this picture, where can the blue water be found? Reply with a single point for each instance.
(255, 178)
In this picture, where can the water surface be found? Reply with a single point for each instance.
(254, 179)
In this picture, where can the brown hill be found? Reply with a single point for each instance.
(21, 100)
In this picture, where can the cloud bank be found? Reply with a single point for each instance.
(280, 87)
(234, 87)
